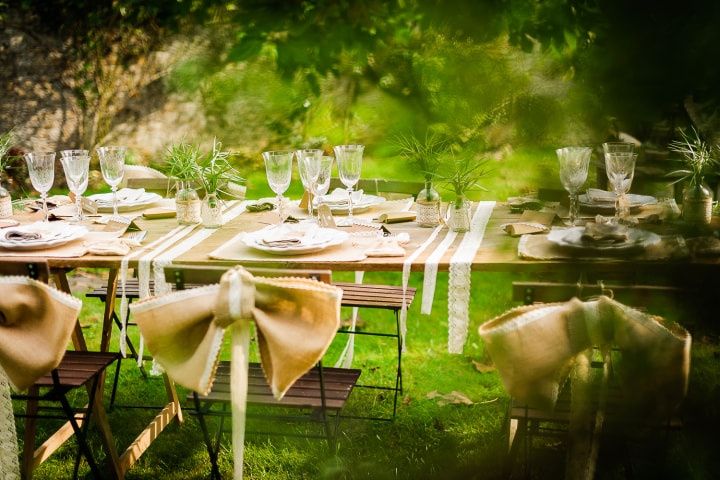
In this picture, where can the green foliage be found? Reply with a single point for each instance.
(424, 155)
(6, 143)
(697, 156)
(182, 161)
(216, 172)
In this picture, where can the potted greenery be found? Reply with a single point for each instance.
(218, 177)
(467, 170)
(182, 165)
(425, 156)
(6, 140)
(698, 158)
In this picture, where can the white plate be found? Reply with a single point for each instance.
(570, 238)
(318, 239)
(634, 201)
(54, 234)
(105, 206)
(362, 205)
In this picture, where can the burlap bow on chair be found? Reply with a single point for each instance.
(536, 347)
(35, 326)
(296, 320)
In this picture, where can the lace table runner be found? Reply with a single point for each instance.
(9, 466)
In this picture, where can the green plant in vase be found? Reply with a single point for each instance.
(218, 176)
(699, 160)
(6, 140)
(467, 170)
(425, 155)
(182, 161)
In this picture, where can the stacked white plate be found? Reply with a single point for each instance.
(337, 200)
(571, 239)
(51, 234)
(294, 239)
(128, 199)
(604, 201)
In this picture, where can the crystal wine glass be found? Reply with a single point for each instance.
(618, 147)
(76, 164)
(309, 167)
(574, 162)
(41, 167)
(349, 161)
(620, 168)
(112, 165)
(278, 167)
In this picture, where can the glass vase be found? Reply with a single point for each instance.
(697, 205)
(187, 204)
(5, 203)
(211, 211)
(459, 215)
(427, 206)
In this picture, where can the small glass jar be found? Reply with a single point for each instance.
(5, 203)
(427, 206)
(187, 204)
(697, 205)
(459, 215)
(211, 211)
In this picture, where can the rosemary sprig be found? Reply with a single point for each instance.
(697, 155)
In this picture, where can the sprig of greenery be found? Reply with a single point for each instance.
(697, 155)
(216, 172)
(467, 170)
(6, 141)
(182, 161)
(424, 154)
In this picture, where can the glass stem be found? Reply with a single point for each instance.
(617, 207)
(279, 207)
(115, 206)
(573, 208)
(43, 195)
(350, 206)
(310, 204)
(78, 206)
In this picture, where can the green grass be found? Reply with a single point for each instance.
(427, 440)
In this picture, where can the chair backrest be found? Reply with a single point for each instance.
(26, 267)
(382, 187)
(182, 275)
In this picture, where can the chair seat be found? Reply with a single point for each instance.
(77, 368)
(354, 295)
(305, 393)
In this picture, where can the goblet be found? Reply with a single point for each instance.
(620, 168)
(618, 147)
(309, 167)
(76, 164)
(278, 168)
(574, 162)
(349, 161)
(41, 167)
(112, 165)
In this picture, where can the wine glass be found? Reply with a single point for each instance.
(618, 147)
(620, 168)
(574, 162)
(349, 161)
(278, 167)
(309, 167)
(112, 165)
(41, 167)
(76, 164)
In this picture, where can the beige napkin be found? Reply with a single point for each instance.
(530, 222)
(396, 217)
(117, 246)
(386, 247)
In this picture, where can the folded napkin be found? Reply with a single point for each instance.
(604, 233)
(704, 246)
(259, 207)
(596, 195)
(386, 247)
(124, 195)
(283, 236)
(339, 197)
(116, 246)
(22, 236)
(530, 222)
(396, 217)
(520, 204)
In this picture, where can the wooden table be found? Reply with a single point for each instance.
(498, 253)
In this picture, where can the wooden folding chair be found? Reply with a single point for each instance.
(322, 392)
(524, 423)
(77, 369)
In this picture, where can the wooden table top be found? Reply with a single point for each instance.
(498, 251)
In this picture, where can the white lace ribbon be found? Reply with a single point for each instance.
(431, 269)
(9, 466)
(460, 278)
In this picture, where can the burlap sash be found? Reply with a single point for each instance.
(296, 320)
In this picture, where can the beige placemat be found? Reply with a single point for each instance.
(76, 248)
(234, 249)
(538, 247)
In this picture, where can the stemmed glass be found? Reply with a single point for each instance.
(76, 164)
(574, 162)
(349, 161)
(618, 147)
(620, 168)
(41, 167)
(112, 165)
(309, 167)
(278, 167)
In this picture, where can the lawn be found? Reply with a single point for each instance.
(429, 438)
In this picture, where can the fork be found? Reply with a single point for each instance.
(137, 236)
